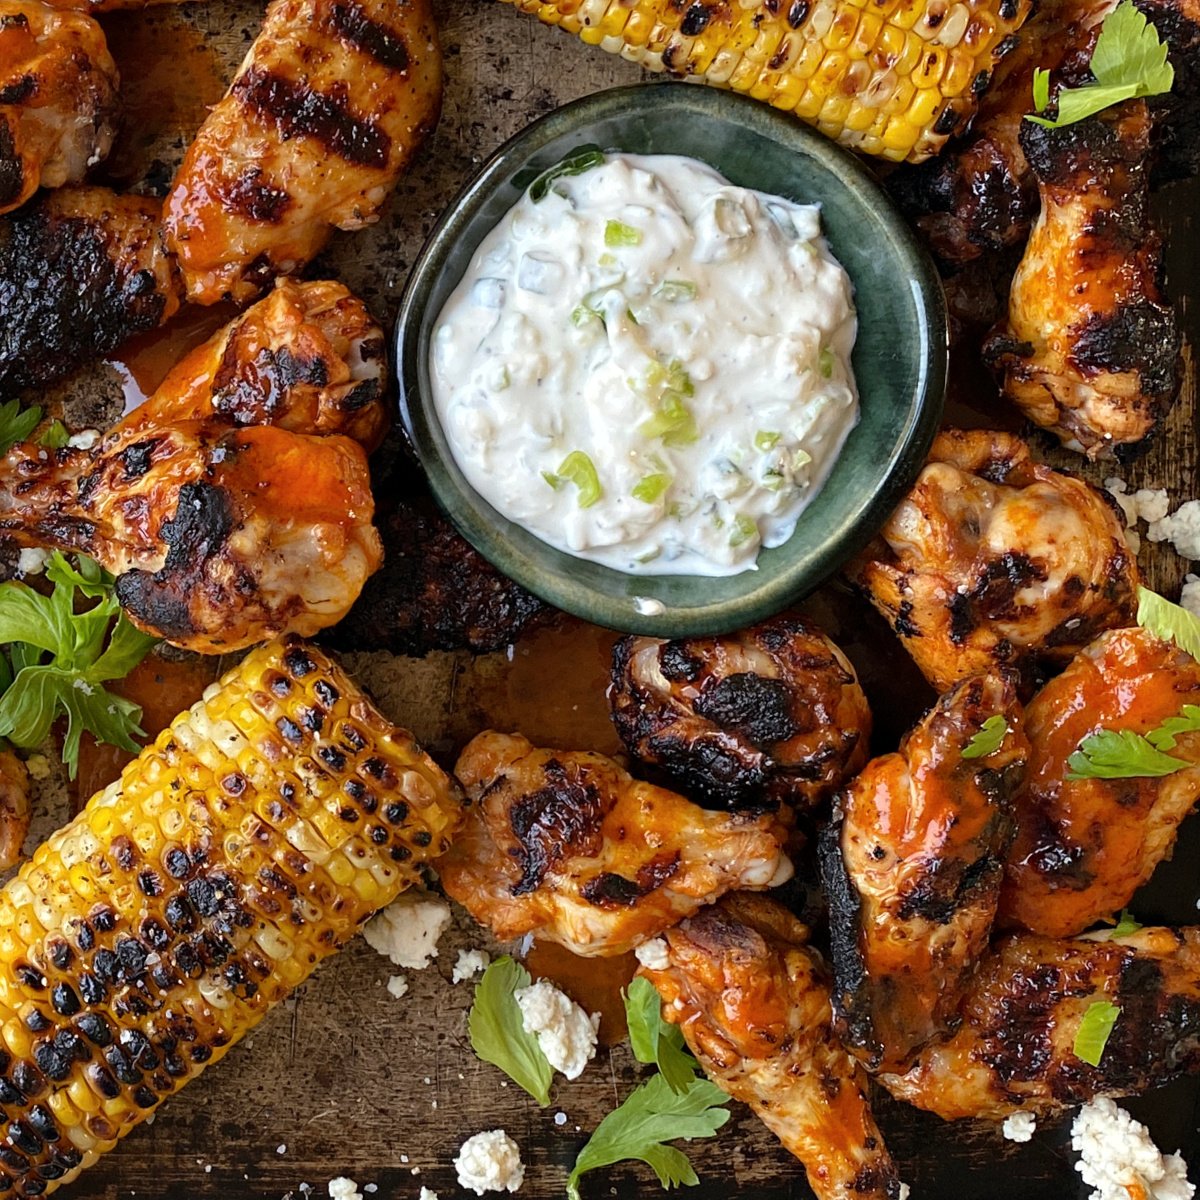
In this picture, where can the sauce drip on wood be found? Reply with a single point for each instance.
(593, 983)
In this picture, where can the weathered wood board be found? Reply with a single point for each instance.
(345, 1080)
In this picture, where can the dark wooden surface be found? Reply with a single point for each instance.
(345, 1080)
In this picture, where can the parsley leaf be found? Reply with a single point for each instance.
(654, 1040)
(651, 1115)
(1188, 721)
(1092, 1035)
(1124, 926)
(16, 424)
(1129, 61)
(987, 740)
(498, 1033)
(1171, 622)
(55, 436)
(1120, 754)
(86, 647)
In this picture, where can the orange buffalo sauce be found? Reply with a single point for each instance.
(595, 984)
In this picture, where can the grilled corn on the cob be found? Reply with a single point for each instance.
(145, 938)
(892, 78)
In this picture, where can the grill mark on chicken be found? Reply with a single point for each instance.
(299, 111)
(386, 46)
(248, 196)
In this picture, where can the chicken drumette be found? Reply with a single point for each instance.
(912, 864)
(1084, 846)
(1016, 1046)
(771, 715)
(567, 846)
(993, 560)
(752, 1001)
(223, 532)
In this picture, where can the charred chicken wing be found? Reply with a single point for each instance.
(223, 535)
(81, 270)
(1015, 1049)
(912, 864)
(752, 1001)
(993, 560)
(326, 111)
(1090, 345)
(1083, 846)
(58, 98)
(768, 716)
(569, 847)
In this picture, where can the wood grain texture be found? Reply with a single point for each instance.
(345, 1080)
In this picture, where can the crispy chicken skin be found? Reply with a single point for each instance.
(569, 847)
(326, 111)
(1084, 846)
(81, 270)
(752, 1001)
(993, 560)
(1090, 346)
(912, 864)
(772, 715)
(58, 98)
(1015, 1049)
(222, 535)
(14, 808)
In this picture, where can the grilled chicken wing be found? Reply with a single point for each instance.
(569, 847)
(14, 808)
(58, 98)
(1090, 346)
(752, 1001)
(912, 864)
(772, 715)
(1084, 846)
(81, 270)
(223, 535)
(326, 111)
(993, 560)
(1015, 1049)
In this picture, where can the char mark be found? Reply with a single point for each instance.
(1142, 337)
(248, 197)
(387, 47)
(296, 110)
(609, 890)
(757, 708)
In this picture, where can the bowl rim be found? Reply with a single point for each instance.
(486, 529)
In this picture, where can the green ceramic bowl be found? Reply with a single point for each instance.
(899, 361)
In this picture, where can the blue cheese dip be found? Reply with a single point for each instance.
(647, 366)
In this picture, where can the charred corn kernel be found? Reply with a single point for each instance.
(135, 950)
(779, 51)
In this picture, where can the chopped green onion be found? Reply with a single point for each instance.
(650, 487)
(744, 528)
(676, 291)
(649, 556)
(765, 440)
(800, 459)
(673, 422)
(672, 377)
(578, 469)
(773, 480)
(553, 480)
(629, 314)
(1093, 1033)
(583, 314)
(576, 163)
(607, 260)
(825, 363)
(617, 233)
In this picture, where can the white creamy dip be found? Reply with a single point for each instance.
(649, 367)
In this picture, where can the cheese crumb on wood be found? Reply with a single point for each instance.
(1119, 1159)
(470, 963)
(342, 1188)
(397, 985)
(489, 1162)
(427, 1194)
(1019, 1126)
(1181, 528)
(565, 1033)
(1189, 598)
(407, 931)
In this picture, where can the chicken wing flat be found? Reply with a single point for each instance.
(222, 534)
(81, 270)
(326, 111)
(912, 864)
(1015, 1049)
(772, 715)
(993, 560)
(1090, 347)
(1084, 846)
(752, 1001)
(58, 98)
(570, 848)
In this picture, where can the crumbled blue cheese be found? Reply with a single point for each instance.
(489, 1162)
(1189, 598)
(407, 931)
(342, 1188)
(428, 1194)
(469, 964)
(1181, 528)
(654, 955)
(1019, 1126)
(32, 561)
(397, 986)
(565, 1033)
(1119, 1159)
